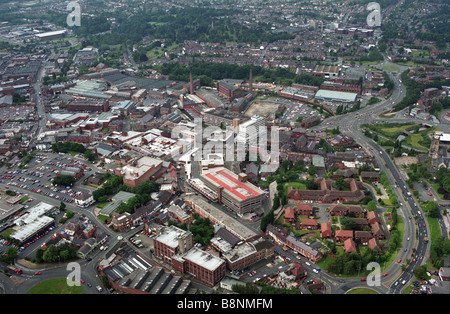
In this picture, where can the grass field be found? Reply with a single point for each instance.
(297, 185)
(390, 67)
(55, 286)
(393, 130)
(362, 291)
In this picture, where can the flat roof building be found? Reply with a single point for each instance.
(233, 190)
(335, 96)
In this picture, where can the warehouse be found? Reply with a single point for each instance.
(51, 35)
(335, 96)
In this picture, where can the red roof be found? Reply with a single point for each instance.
(239, 185)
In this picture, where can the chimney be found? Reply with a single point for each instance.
(191, 86)
(242, 177)
(250, 86)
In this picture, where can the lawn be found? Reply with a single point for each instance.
(392, 131)
(413, 141)
(391, 67)
(362, 291)
(297, 185)
(55, 286)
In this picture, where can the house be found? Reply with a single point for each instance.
(345, 173)
(355, 211)
(325, 230)
(298, 271)
(373, 244)
(377, 232)
(360, 223)
(363, 236)
(289, 215)
(342, 235)
(372, 217)
(309, 224)
(338, 210)
(370, 176)
(349, 246)
(304, 210)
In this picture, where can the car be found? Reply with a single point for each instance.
(38, 273)
(399, 260)
(385, 274)
(363, 279)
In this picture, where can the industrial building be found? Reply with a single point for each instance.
(335, 96)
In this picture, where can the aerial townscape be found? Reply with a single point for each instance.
(224, 147)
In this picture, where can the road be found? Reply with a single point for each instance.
(350, 124)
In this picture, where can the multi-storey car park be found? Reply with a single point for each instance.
(233, 190)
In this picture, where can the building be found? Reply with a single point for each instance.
(229, 90)
(233, 190)
(88, 105)
(131, 273)
(342, 235)
(220, 218)
(283, 238)
(75, 172)
(141, 170)
(326, 193)
(325, 230)
(204, 266)
(309, 224)
(51, 35)
(172, 241)
(122, 221)
(289, 215)
(244, 255)
(84, 199)
(335, 96)
(33, 222)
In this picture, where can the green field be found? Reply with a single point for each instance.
(296, 185)
(390, 67)
(362, 291)
(55, 286)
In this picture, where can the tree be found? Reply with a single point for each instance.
(90, 155)
(50, 254)
(64, 180)
(432, 209)
(312, 170)
(62, 206)
(420, 272)
(340, 184)
(348, 223)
